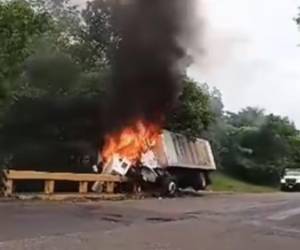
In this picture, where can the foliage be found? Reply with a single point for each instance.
(192, 114)
(54, 74)
(259, 153)
(215, 131)
(48, 101)
(247, 117)
(101, 37)
(20, 28)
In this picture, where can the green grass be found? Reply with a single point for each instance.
(222, 182)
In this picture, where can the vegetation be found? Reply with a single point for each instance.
(192, 114)
(257, 150)
(55, 62)
(225, 183)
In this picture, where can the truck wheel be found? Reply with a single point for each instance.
(169, 186)
(200, 182)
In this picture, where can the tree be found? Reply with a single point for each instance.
(52, 74)
(82, 37)
(192, 114)
(100, 36)
(20, 27)
(216, 131)
(250, 116)
(52, 103)
(257, 151)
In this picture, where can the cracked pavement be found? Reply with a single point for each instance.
(213, 221)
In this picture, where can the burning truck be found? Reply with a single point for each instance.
(158, 158)
(152, 45)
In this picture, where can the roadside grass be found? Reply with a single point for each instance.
(222, 182)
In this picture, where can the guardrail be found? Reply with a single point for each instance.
(9, 178)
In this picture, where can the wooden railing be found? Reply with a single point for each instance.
(10, 177)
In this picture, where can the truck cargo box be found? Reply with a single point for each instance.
(176, 150)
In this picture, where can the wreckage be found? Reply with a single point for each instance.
(165, 160)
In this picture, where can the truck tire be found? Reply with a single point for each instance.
(200, 182)
(169, 186)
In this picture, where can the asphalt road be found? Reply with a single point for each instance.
(211, 222)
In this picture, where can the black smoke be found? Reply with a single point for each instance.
(49, 133)
(146, 70)
(52, 133)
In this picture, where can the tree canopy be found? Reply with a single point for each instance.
(259, 151)
(20, 29)
(192, 114)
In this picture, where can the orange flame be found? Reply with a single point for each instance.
(132, 141)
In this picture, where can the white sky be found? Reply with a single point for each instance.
(251, 54)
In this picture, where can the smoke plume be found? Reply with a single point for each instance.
(147, 70)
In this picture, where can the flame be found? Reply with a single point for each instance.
(131, 142)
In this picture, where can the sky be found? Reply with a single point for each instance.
(251, 54)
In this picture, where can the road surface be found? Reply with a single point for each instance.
(211, 222)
